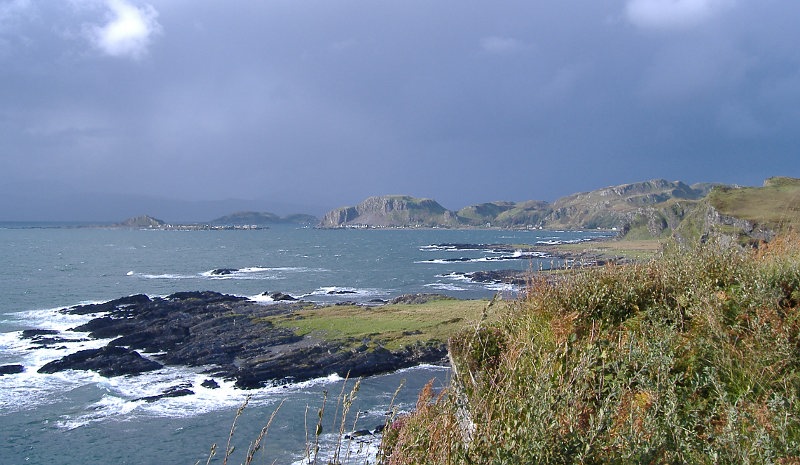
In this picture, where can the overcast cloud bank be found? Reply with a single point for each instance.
(323, 103)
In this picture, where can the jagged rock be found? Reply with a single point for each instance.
(281, 297)
(113, 305)
(36, 333)
(107, 361)
(515, 277)
(174, 391)
(229, 334)
(223, 271)
(210, 384)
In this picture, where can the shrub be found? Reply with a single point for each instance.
(693, 357)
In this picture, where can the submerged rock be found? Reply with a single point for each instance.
(180, 390)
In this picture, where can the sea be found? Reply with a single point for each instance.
(80, 417)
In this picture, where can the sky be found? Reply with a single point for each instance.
(188, 108)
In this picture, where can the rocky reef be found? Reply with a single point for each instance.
(231, 337)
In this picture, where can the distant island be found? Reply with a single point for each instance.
(234, 221)
(644, 210)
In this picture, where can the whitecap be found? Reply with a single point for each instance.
(454, 276)
(337, 291)
(108, 406)
(445, 287)
(163, 276)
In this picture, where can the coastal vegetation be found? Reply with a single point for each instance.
(686, 354)
(691, 357)
(392, 326)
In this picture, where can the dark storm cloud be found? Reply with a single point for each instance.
(326, 102)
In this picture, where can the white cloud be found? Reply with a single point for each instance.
(672, 14)
(129, 30)
(495, 44)
(12, 8)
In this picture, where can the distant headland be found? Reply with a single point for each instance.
(642, 210)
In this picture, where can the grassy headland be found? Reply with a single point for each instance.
(692, 357)
(776, 204)
(392, 326)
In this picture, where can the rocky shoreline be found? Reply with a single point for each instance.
(230, 336)
(234, 338)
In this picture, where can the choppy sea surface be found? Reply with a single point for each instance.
(80, 417)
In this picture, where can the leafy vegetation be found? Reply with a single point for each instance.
(691, 357)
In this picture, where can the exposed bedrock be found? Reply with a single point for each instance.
(229, 335)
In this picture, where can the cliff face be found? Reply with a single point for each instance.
(644, 210)
(391, 211)
(656, 203)
(745, 214)
(649, 209)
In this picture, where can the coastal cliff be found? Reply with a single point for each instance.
(391, 211)
(651, 208)
(642, 210)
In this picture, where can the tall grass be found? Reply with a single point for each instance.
(693, 357)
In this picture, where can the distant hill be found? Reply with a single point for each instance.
(391, 211)
(649, 208)
(504, 214)
(262, 219)
(640, 210)
(140, 222)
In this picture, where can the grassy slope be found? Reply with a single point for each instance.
(392, 326)
(690, 358)
(777, 204)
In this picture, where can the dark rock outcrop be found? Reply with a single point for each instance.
(11, 369)
(223, 271)
(210, 384)
(42, 338)
(280, 297)
(180, 390)
(107, 361)
(515, 277)
(230, 334)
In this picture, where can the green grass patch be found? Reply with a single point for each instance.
(393, 326)
(777, 204)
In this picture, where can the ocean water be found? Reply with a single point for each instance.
(81, 417)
